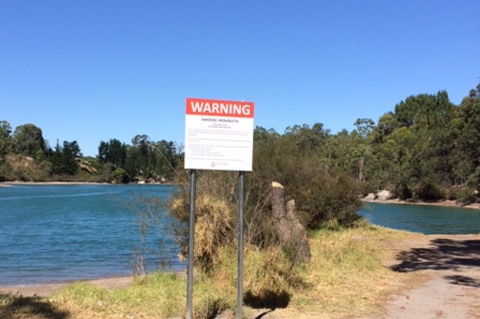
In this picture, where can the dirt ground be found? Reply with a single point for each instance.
(449, 284)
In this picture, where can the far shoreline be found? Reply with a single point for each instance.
(442, 203)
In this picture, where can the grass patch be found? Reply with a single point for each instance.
(345, 277)
(160, 295)
(346, 273)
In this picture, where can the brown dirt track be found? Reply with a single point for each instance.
(448, 285)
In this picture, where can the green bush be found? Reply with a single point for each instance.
(120, 176)
(464, 196)
(428, 191)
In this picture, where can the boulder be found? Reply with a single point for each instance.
(370, 197)
(383, 195)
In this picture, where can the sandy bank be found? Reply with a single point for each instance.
(47, 289)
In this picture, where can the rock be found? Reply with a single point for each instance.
(369, 197)
(84, 165)
(383, 195)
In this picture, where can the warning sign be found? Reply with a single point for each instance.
(218, 134)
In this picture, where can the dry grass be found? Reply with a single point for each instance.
(214, 227)
(347, 273)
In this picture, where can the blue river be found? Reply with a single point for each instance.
(67, 232)
(423, 219)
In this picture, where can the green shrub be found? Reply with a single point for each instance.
(428, 191)
(464, 196)
(120, 176)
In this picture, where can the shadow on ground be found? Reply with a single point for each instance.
(18, 306)
(267, 299)
(444, 254)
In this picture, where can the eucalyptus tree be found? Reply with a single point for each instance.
(466, 127)
(5, 146)
(139, 157)
(149, 159)
(413, 146)
(433, 145)
(364, 126)
(28, 140)
(113, 151)
(307, 140)
(63, 158)
(363, 159)
(5, 138)
(165, 158)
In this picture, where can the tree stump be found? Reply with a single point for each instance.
(290, 232)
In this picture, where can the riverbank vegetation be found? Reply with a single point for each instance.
(26, 156)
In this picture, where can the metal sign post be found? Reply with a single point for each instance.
(191, 232)
(240, 247)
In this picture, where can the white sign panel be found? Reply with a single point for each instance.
(218, 134)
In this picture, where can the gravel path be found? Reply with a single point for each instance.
(451, 284)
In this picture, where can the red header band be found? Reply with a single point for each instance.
(219, 108)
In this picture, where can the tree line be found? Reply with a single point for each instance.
(25, 155)
(427, 148)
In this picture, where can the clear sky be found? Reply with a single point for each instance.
(93, 70)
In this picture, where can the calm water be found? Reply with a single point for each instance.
(50, 233)
(423, 219)
(57, 233)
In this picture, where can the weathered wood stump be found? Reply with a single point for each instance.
(290, 232)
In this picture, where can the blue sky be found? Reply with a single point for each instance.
(95, 70)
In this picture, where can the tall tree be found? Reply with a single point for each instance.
(114, 152)
(165, 158)
(5, 138)
(413, 145)
(140, 157)
(63, 159)
(466, 127)
(364, 126)
(28, 140)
